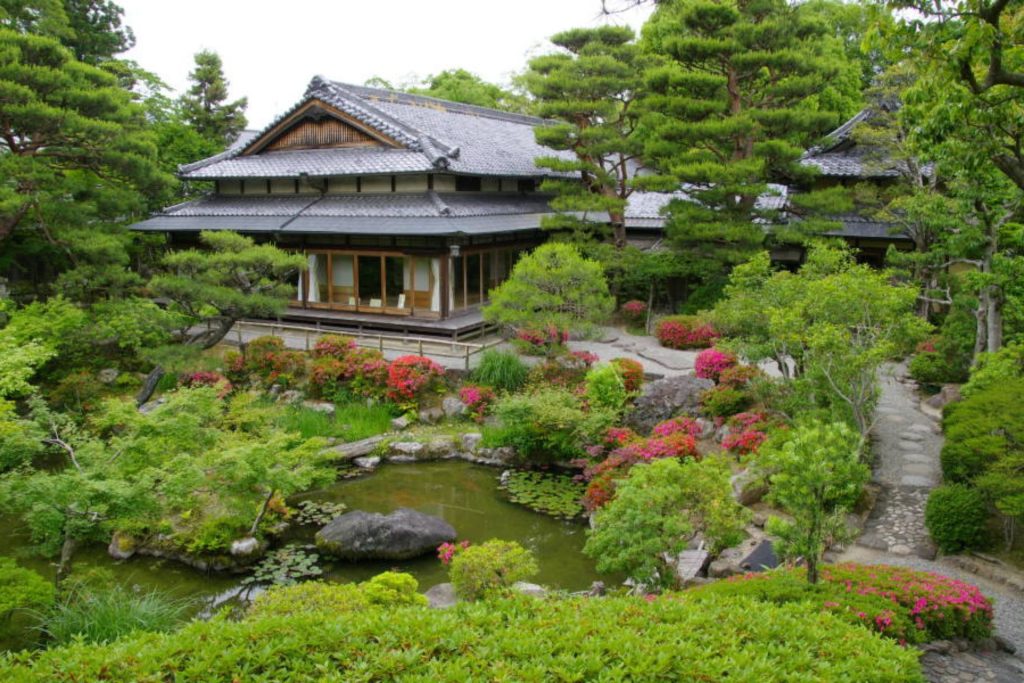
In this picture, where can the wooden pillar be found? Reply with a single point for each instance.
(445, 302)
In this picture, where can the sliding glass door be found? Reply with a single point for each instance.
(397, 284)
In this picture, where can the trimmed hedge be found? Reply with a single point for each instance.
(512, 639)
(956, 517)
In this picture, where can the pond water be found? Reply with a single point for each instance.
(465, 495)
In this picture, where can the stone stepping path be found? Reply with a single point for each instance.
(906, 444)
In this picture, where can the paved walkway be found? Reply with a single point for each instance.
(906, 444)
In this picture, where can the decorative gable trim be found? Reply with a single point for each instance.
(317, 125)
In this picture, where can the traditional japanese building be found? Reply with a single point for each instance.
(405, 206)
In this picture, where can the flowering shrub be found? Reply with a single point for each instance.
(333, 346)
(675, 425)
(927, 346)
(710, 363)
(723, 401)
(685, 332)
(447, 551)
(478, 399)
(362, 372)
(634, 312)
(409, 377)
(739, 376)
(208, 379)
(540, 342)
(565, 371)
(587, 358)
(267, 359)
(632, 373)
(745, 442)
(619, 436)
(940, 606)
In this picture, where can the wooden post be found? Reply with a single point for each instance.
(467, 357)
(380, 343)
(419, 345)
(238, 330)
(306, 335)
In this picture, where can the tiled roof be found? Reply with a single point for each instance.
(436, 135)
(841, 156)
(855, 225)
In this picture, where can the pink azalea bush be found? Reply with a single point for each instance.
(685, 332)
(540, 342)
(711, 363)
(208, 379)
(333, 346)
(940, 606)
(587, 358)
(478, 400)
(410, 377)
(447, 551)
(634, 312)
(675, 425)
(359, 371)
(747, 433)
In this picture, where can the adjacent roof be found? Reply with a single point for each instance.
(432, 135)
(427, 213)
(842, 156)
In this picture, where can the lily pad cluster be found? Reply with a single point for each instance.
(553, 494)
(285, 567)
(317, 512)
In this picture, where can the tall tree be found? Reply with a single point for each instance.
(590, 89)
(205, 106)
(965, 111)
(91, 29)
(743, 97)
(76, 161)
(460, 85)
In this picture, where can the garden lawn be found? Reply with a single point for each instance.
(350, 422)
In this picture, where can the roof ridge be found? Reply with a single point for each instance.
(412, 99)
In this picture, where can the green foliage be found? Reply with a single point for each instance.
(18, 364)
(953, 352)
(956, 517)
(231, 279)
(994, 368)
(590, 88)
(77, 162)
(723, 401)
(492, 567)
(393, 588)
(21, 441)
(95, 615)
(350, 422)
(606, 388)
(204, 105)
(328, 600)
(460, 85)
(543, 426)
(557, 495)
(517, 638)
(745, 89)
(501, 370)
(816, 475)
(317, 512)
(657, 508)
(982, 429)
(833, 323)
(552, 286)
(22, 588)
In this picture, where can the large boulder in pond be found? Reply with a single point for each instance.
(669, 397)
(402, 535)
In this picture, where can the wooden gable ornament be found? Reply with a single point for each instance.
(318, 125)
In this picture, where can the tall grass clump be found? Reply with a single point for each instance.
(102, 615)
(351, 421)
(502, 370)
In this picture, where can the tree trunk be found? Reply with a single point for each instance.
(67, 550)
(994, 321)
(650, 309)
(212, 336)
(262, 513)
(812, 570)
(149, 386)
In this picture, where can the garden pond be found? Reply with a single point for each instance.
(468, 496)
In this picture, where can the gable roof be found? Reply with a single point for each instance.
(428, 135)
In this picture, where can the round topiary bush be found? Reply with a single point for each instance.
(956, 517)
(480, 570)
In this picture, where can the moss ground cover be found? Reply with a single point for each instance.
(521, 639)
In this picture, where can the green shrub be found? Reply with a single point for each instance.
(22, 588)
(351, 421)
(606, 388)
(482, 570)
(931, 367)
(513, 639)
(994, 368)
(102, 615)
(329, 599)
(501, 370)
(956, 516)
(982, 429)
(724, 401)
(542, 426)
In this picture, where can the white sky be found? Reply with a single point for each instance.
(272, 49)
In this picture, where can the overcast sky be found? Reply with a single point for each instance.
(272, 49)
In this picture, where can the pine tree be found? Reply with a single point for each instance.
(743, 97)
(590, 89)
(204, 107)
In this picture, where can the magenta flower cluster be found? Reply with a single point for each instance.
(477, 399)
(447, 551)
(711, 363)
